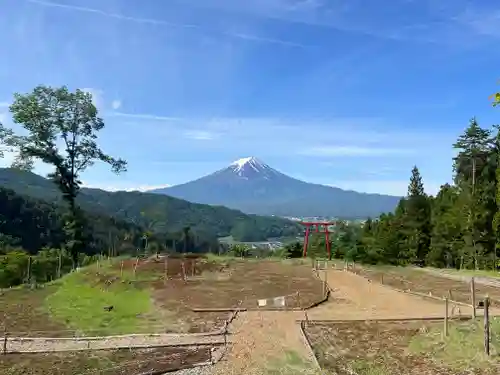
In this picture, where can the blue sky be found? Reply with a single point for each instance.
(350, 93)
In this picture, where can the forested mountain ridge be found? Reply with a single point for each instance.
(158, 213)
(33, 224)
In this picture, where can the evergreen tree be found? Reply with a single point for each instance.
(415, 220)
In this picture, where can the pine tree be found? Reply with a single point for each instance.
(416, 221)
(472, 168)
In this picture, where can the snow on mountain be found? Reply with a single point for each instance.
(250, 167)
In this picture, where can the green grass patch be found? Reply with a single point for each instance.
(291, 364)
(463, 348)
(364, 367)
(80, 305)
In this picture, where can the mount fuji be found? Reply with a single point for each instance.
(252, 186)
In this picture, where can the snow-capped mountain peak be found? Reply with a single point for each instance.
(245, 167)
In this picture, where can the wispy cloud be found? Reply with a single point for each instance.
(433, 22)
(391, 187)
(355, 151)
(123, 186)
(144, 116)
(193, 27)
(116, 104)
(201, 135)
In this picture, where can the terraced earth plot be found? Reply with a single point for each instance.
(104, 362)
(402, 348)
(425, 282)
(145, 301)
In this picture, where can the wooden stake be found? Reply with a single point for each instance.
(382, 279)
(59, 266)
(473, 296)
(183, 271)
(165, 277)
(192, 268)
(446, 317)
(121, 269)
(487, 325)
(29, 270)
(135, 265)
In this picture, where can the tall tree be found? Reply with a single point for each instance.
(472, 167)
(415, 211)
(61, 129)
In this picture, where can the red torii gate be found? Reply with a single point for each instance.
(318, 225)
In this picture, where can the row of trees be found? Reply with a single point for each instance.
(459, 227)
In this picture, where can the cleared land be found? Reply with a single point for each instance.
(402, 348)
(426, 282)
(146, 302)
(103, 362)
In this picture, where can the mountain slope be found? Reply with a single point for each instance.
(158, 212)
(252, 186)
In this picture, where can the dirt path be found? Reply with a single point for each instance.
(261, 337)
(353, 297)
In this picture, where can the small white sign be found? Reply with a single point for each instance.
(262, 302)
(279, 301)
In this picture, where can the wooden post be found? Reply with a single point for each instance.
(487, 325)
(135, 265)
(121, 269)
(5, 334)
(59, 266)
(449, 295)
(382, 279)
(192, 268)
(165, 276)
(29, 270)
(473, 296)
(183, 271)
(446, 317)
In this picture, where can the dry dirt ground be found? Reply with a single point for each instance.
(262, 337)
(425, 282)
(111, 362)
(396, 348)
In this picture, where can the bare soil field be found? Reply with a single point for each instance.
(22, 309)
(104, 362)
(147, 303)
(243, 284)
(425, 282)
(394, 348)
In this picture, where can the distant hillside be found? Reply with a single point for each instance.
(157, 212)
(33, 224)
(254, 187)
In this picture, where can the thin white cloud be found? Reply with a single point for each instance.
(194, 27)
(390, 187)
(144, 116)
(352, 151)
(128, 186)
(116, 104)
(200, 135)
